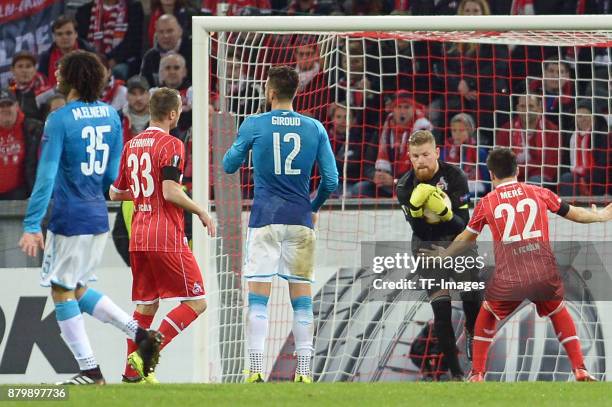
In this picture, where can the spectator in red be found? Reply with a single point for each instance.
(355, 154)
(312, 94)
(392, 156)
(462, 149)
(181, 9)
(557, 88)
(135, 115)
(65, 40)
(588, 147)
(170, 38)
(114, 28)
(535, 141)
(234, 7)
(19, 141)
(115, 92)
(27, 83)
(173, 74)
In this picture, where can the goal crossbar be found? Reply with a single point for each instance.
(599, 22)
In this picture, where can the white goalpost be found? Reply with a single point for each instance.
(363, 62)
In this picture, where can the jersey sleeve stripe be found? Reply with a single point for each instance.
(117, 190)
(472, 230)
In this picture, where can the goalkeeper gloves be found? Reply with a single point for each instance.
(437, 205)
(419, 196)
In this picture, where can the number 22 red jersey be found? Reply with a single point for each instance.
(157, 225)
(517, 215)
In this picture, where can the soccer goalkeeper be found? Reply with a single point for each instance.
(423, 189)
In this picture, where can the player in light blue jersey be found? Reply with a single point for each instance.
(281, 240)
(81, 150)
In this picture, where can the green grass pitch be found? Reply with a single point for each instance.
(540, 394)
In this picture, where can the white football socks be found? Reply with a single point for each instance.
(257, 331)
(75, 336)
(105, 310)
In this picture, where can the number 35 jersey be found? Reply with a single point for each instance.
(148, 159)
(80, 152)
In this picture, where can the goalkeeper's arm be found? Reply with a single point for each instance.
(455, 221)
(404, 192)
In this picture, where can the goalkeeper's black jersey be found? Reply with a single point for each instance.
(453, 181)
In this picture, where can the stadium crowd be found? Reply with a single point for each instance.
(550, 104)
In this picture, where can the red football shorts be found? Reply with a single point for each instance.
(502, 298)
(162, 275)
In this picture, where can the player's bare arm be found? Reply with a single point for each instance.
(116, 195)
(173, 192)
(582, 215)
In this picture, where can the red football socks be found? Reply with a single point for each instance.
(484, 331)
(566, 332)
(176, 321)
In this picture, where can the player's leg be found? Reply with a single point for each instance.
(262, 256)
(565, 329)
(102, 308)
(180, 318)
(62, 269)
(144, 314)
(146, 298)
(472, 302)
(303, 328)
(257, 328)
(297, 266)
(72, 328)
(440, 302)
(178, 277)
(88, 254)
(490, 313)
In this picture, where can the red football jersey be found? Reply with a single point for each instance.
(157, 225)
(517, 215)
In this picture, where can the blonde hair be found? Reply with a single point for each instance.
(162, 102)
(420, 137)
(484, 6)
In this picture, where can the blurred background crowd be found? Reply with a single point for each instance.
(549, 103)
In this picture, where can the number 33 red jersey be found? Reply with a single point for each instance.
(157, 225)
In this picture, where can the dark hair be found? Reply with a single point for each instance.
(502, 162)
(162, 102)
(156, 5)
(83, 71)
(62, 21)
(284, 80)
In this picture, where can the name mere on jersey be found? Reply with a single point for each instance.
(90, 112)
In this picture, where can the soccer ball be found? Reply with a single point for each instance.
(433, 218)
